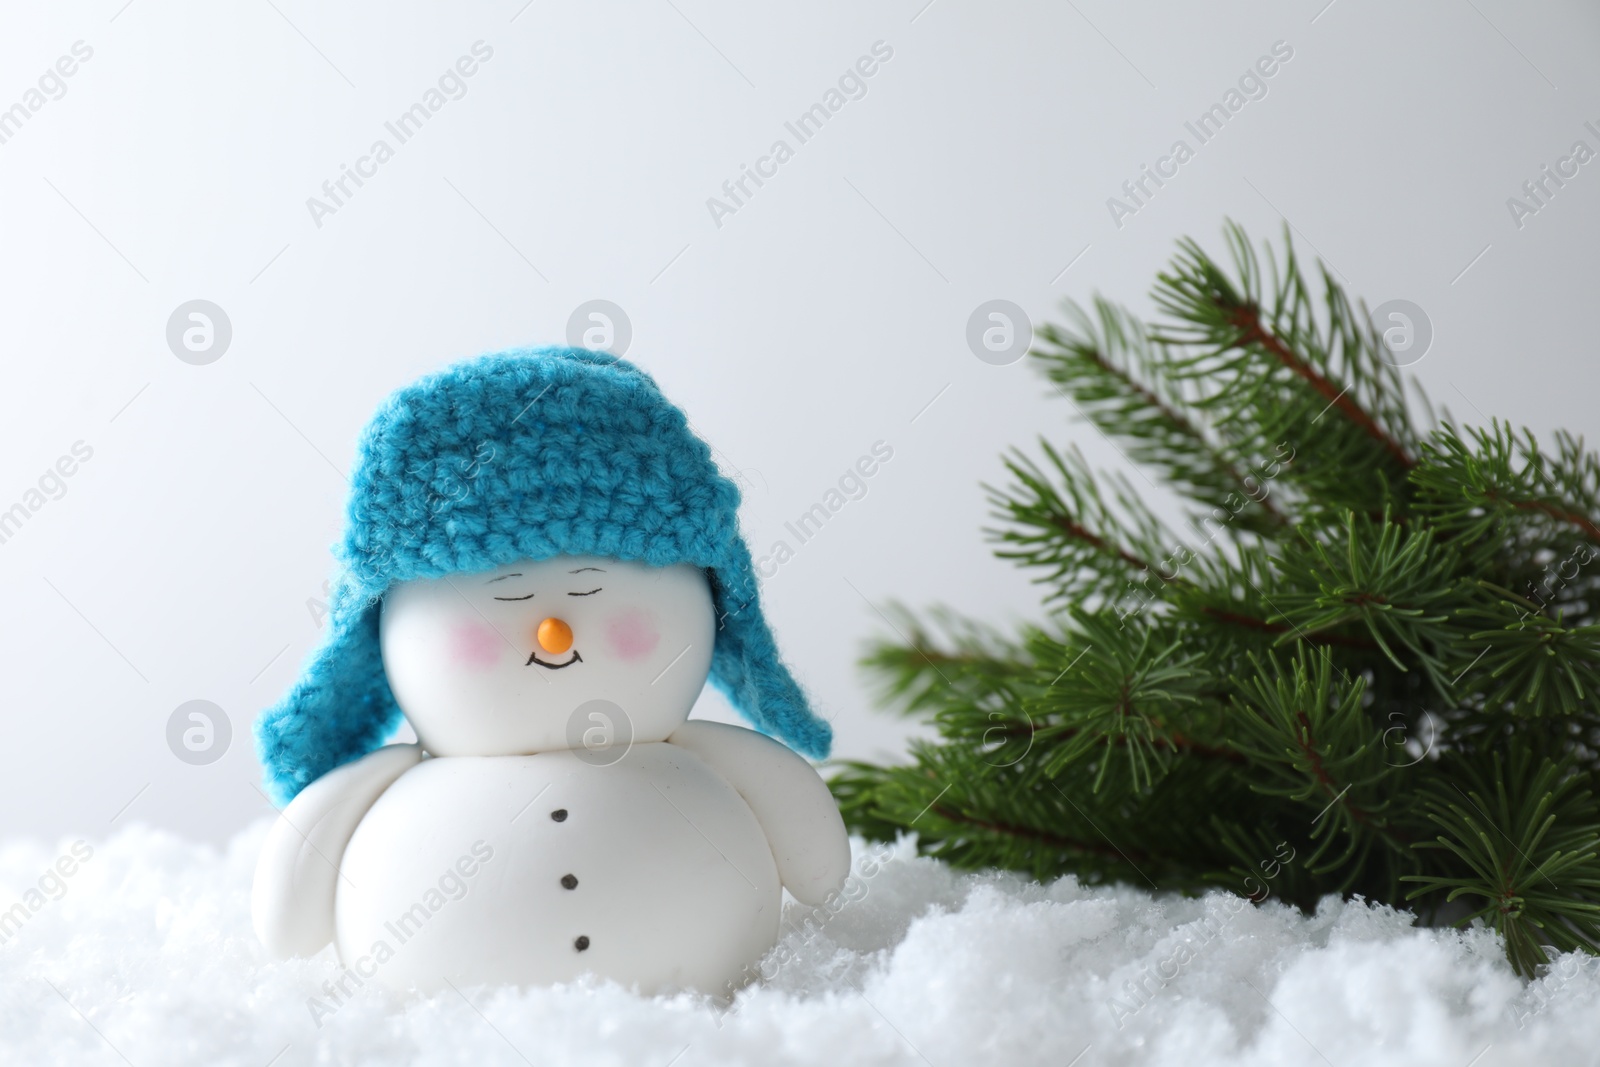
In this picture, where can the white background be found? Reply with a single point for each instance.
(823, 316)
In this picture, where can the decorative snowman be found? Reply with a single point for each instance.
(542, 566)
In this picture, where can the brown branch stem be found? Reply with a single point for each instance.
(1254, 623)
(1248, 320)
(1098, 848)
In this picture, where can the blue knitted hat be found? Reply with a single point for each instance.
(526, 454)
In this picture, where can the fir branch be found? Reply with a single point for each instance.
(1282, 630)
(1118, 378)
(1383, 680)
(1246, 318)
(1317, 747)
(1395, 582)
(1074, 845)
(1274, 364)
(1475, 479)
(1519, 836)
(1530, 664)
(961, 667)
(1130, 696)
(1061, 522)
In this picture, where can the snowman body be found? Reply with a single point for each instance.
(650, 870)
(558, 815)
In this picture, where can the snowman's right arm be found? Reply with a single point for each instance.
(291, 901)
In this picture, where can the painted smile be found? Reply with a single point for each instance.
(533, 657)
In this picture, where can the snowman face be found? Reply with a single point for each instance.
(570, 652)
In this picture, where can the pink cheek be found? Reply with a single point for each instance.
(631, 635)
(475, 644)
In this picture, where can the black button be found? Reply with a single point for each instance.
(559, 815)
(581, 943)
(569, 881)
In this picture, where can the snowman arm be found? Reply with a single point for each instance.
(291, 900)
(790, 801)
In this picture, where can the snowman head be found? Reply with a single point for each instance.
(581, 652)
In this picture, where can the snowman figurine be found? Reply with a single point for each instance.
(541, 568)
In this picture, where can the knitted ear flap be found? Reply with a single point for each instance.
(341, 707)
(746, 667)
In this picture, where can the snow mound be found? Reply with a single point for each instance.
(139, 950)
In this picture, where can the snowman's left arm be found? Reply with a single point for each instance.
(790, 801)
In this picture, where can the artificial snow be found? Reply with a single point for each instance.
(142, 953)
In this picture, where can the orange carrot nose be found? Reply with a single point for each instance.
(555, 636)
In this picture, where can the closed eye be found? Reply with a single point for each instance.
(591, 592)
(528, 597)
